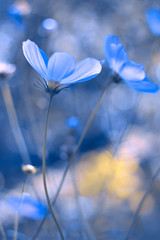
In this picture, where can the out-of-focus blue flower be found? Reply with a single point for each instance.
(153, 20)
(19, 8)
(17, 11)
(132, 73)
(61, 67)
(49, 24)
(72, 122)
(27, 207)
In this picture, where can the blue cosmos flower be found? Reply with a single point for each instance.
(27, 207)
(60, 68)
(153, 20)
(132, 73)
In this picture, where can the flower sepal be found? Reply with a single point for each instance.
(52, 88)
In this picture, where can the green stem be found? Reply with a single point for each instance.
(44, 171)
(150, 187)
(73, 155)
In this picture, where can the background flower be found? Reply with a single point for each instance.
(27, 207)
(153, 20)
(132, 73)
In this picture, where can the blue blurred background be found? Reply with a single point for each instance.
(121, 150)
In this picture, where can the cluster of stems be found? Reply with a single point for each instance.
(12, 116)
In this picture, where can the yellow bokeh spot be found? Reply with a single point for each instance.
(101, 171)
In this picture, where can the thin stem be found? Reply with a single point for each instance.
(54, 200)
(44, 171)
(74, 154)
(17, 213)
(2, 232)
(14, 123)
(87, 227)
(149, 190)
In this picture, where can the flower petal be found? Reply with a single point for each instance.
(27, 207)
(36, 58)
(153, 20)
(60, 65)
(132, 71)
(114, 52)
(143, 86)
(84, 71)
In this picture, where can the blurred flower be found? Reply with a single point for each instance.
(60, 68)
(72, 122)
(6, 70)
(19, 8)
(28, 169)
(49, 24)
(153, 20)
(132, 73)
(102, 171)
(27, 207)
(17, 11)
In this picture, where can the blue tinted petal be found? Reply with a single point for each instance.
(132, 71)
(114, 52)
(153, 21)
(44, 55)
(27, 207)
(60, 65)
(144, 85)
(84, 71)
(36, 58)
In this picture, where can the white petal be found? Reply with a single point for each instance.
(132, 71)
(36, 58)
(114, 52)
(60, 65)
(84, 71)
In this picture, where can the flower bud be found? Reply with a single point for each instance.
(28, 169)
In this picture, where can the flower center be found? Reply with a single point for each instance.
(52, 84)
